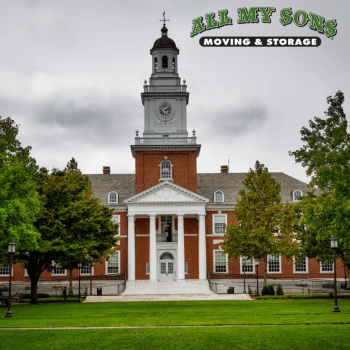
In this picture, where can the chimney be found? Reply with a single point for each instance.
(106, 170)
(224, 168)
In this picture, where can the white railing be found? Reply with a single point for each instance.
(165, 140)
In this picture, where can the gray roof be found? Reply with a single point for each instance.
(231, 183)
(207, 184)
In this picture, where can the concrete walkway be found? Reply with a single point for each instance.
(165, 297)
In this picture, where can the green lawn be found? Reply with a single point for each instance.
(278, 324)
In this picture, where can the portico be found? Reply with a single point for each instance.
(166, 200)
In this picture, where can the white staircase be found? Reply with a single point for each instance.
(146, 287)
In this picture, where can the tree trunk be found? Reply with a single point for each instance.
(70, 281)
(265, 269)
(34, 290)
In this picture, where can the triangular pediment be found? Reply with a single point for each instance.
(166, 192)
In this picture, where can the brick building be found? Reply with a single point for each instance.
(172, 218)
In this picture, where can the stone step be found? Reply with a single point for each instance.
(166, 288)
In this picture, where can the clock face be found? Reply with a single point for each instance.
(165, 109)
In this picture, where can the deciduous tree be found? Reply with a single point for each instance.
(260, 213)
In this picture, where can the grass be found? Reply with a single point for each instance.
(279, 324)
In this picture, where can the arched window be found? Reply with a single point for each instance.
(113, 197)
(218, 197)
(173, 65)
(167, 256)
(296, 195)
(165, 169)
(155, 64)
(165, 63)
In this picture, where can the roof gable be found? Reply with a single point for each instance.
(166, 192)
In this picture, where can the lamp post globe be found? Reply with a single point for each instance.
(334, 247)
(11, 251)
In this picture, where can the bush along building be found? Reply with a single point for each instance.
(171, 218)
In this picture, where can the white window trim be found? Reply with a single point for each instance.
(223, 198)
(89, 274)
(241, 267)
(58, 274)
(109, 194)
(294, 199)
(220, 273)
(326, 272)
(171, 171)
(8, 275)
(301, 272)
(213, 219)
(268, 267)
(106, 265)
(117, 222)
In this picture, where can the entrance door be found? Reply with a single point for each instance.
(167, 267)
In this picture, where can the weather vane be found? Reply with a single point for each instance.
(164, 20)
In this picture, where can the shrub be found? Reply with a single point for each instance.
(280, 290)
(272, 290)
(39, 295)
(266, 290)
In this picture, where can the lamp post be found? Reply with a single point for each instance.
(256, 261)
(79, 267)
(11, 250)
(244, 261)
(334, 247)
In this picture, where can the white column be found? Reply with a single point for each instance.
(202, 249)
(152, 248)
(180, 248)
(131, 247)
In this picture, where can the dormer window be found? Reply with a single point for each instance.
(296, 195)
(113, 197)
(165, 170)
(218, 197)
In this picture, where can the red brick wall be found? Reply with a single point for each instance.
(191, 248)
(184, 170)
(142, 228)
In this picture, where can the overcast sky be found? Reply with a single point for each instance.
(72, 72)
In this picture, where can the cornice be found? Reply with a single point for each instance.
(165, 94)
(166, 147)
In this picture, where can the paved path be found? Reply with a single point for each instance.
(166, 297)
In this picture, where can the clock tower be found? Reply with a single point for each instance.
(165, 133)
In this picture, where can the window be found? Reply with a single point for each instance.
(86, 269)
(164, 63)
(327, 267)
(220, 262)
(276, 231)
(116, 219)
(218, 197)
(155, 64)
(5, 270)
(148, 268)
(301, 266)
(247, 265)
(113, 263)
(57, 270)
(173, 65)
(219, 223)
(113, 197)
(165, 170)
(296, 195)
(186, 268)
(274, 264)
